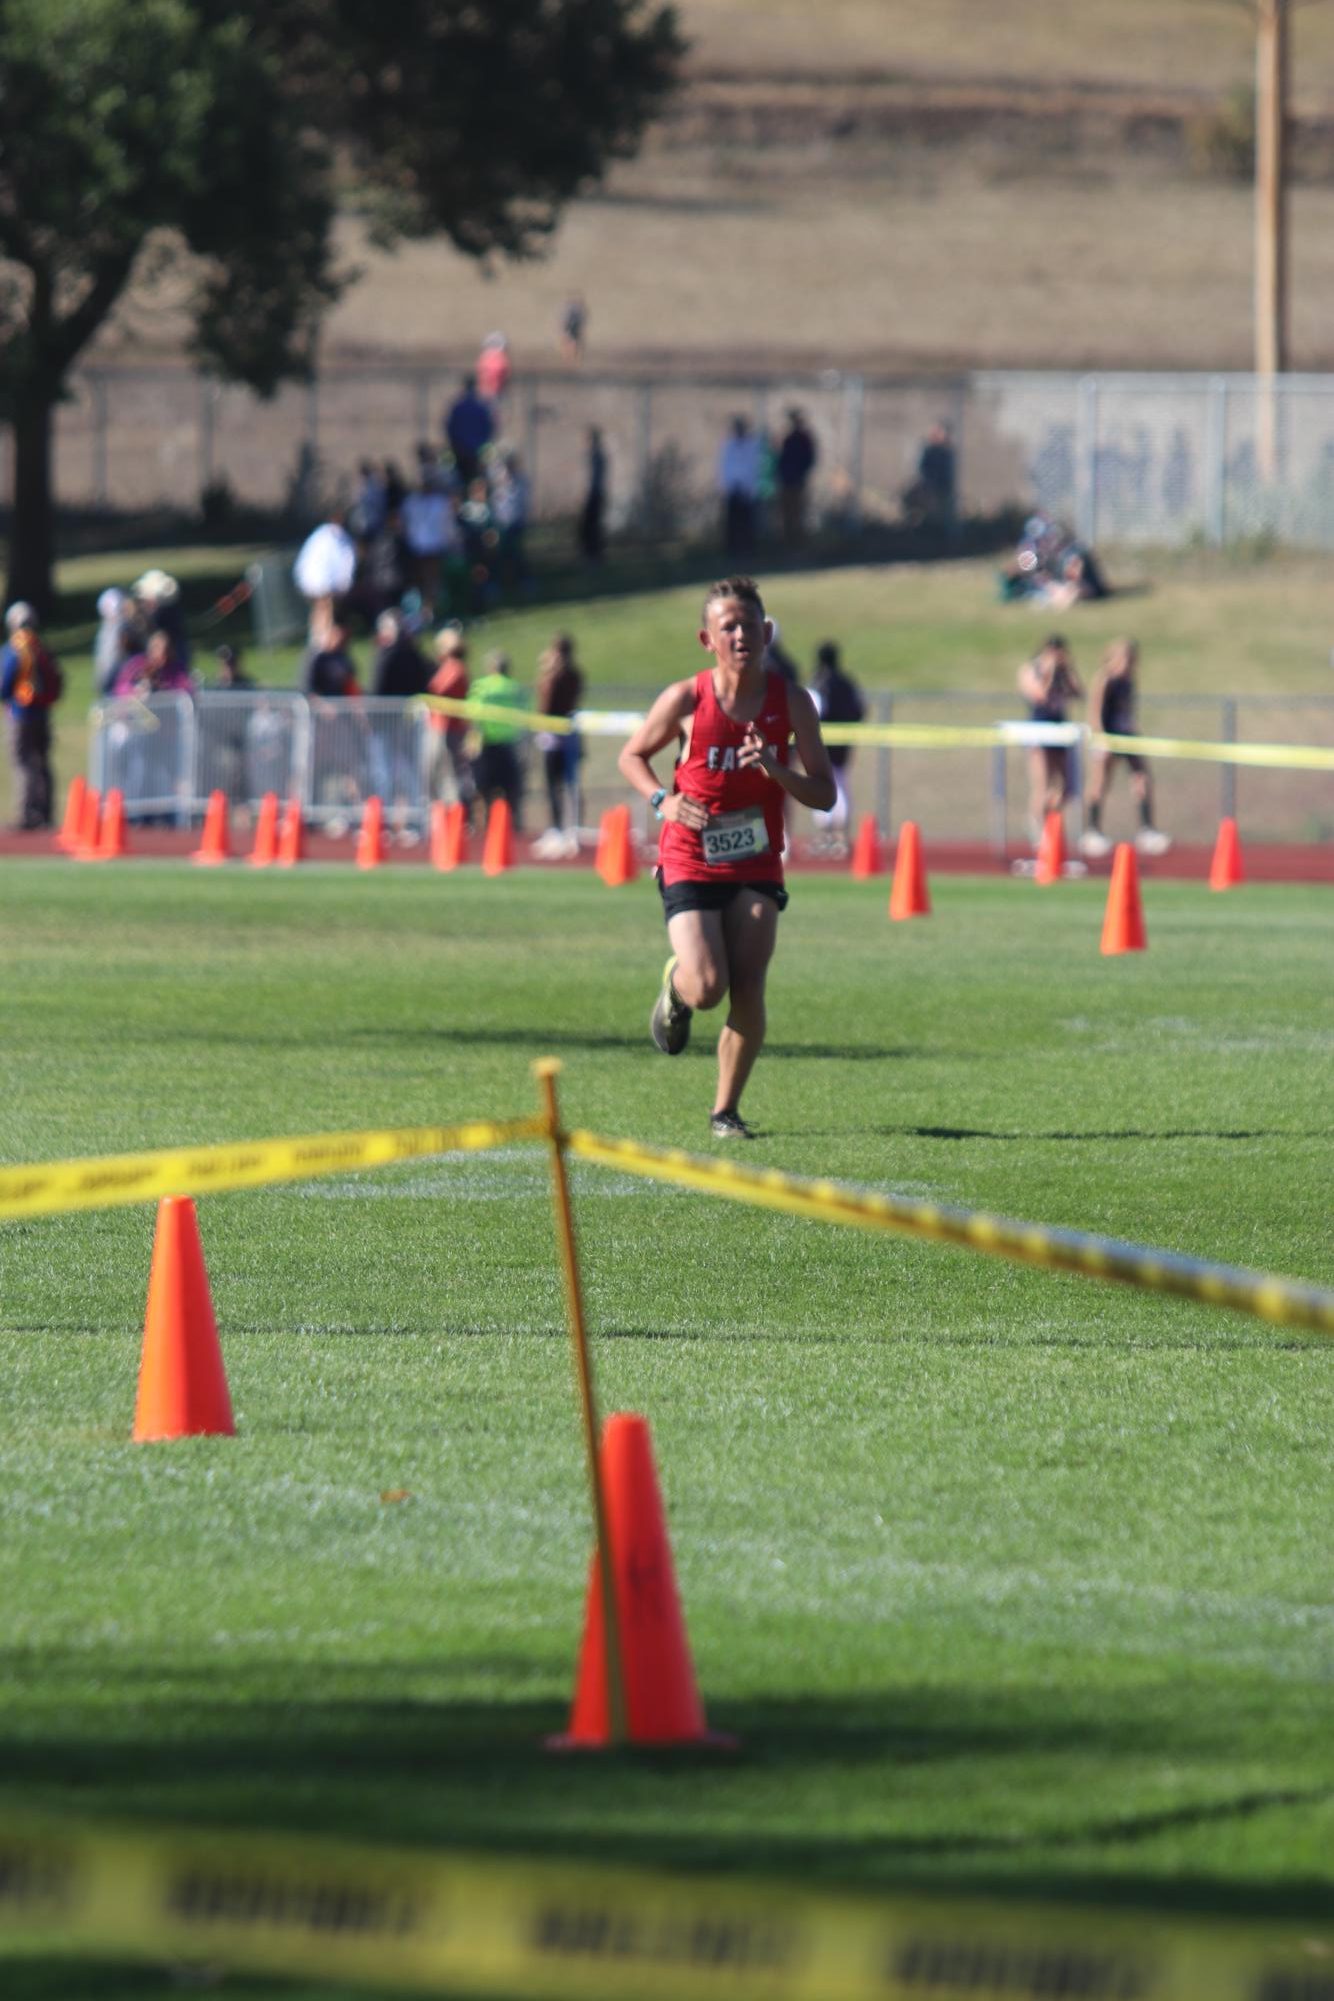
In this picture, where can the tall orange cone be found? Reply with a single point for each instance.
(1051, 849)
(265, 851)
(370, 841)
(661, 1699)
(498, 852)
(1123, 926)
(71, 827)
(91, 825)
(112, 840)
(604, 843)
(1226, 871)
(182, 1383)
(617, 865)
(214, 845)
(453, 848)
(909, 896)
(868, 857)
(292, 840)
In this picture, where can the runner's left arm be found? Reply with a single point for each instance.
(814, 786)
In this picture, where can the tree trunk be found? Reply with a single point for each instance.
(32, 530)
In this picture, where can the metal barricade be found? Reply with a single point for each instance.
(375, 744)
(249, 742)
(145, 749)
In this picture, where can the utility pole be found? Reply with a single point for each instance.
(1271, 223)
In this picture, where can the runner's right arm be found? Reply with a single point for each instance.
(661, 726)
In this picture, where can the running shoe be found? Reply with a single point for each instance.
(669, 1023)
(1150, 841)
(729, 1125)
(1094, 843)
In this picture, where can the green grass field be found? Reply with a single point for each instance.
(1007, 1581)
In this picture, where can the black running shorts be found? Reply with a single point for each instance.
(679, 896)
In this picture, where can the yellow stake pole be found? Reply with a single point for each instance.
(546, 1073)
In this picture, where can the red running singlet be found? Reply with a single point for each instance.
(710, 772)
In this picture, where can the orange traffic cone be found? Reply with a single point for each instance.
(71, 827)
(1123, 926)
(265, 851)
(909, 896)
(617, 865)
(214, 846)
(90, 826)
(370, 841)
(453, 848)
(112, 842)
(868, 857)
(292, 840)
(661, 1698)
(1051, 849)
(498, 852)
(604, 843)
(182, 1383)
(1226, 871)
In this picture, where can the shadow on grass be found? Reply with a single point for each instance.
(582, 1038)
(1129, 1133)
(913, 1768)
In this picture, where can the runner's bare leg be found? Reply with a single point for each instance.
(750, 928)
(700, 977)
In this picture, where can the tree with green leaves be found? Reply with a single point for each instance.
(222, 135)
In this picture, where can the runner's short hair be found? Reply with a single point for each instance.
(744, 588)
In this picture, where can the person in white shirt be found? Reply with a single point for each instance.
(324, 569)
(739, 464)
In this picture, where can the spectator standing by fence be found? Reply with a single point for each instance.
(1049, 682)
(494, 368)
(796, 462)
(1113, 710)
(592, 533)
(739, 465)
(431, 533)
(560, 691)
(324, 570)
(498, 772)
(837, 699)
(117, 639)
(30, 686)
(469, 427)
(450, 774)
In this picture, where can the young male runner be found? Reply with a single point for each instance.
(721, 872)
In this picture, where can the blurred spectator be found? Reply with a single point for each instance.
(449, 773)
(367, 516)
(777, 658)
(395, 488)
(431, 471)
(1114, 711)
(30, 686)
(1049, 682)
(468, 427)
(324, 570)
(229, 675)
(385, 570)
(399, 670)
(560, 691)
(493, 367)
(739, 465)
(329, 672)
(509, 508)
(1080, 580)
(796, 462)
(158, 670)
(480, 543)
(400, 667)
(118, 637)
(837, 699)
(158, 598)
(930, 500)
(573, 327)
(431, 533)
(592, 536)
(1050, 567)
(338, 727)
(498, 772)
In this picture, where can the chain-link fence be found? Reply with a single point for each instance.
(169, 753)
(1148, 459)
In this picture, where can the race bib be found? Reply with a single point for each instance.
(731, 837)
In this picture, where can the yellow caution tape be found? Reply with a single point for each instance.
(1285, 1301)
(50, 1188)
(1278, 756)
(389, 1918)
(495, 712)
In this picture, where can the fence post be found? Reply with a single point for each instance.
(1000, 805)
(644, 448)
(101, 469)
(884, 714)
(1086, 461)
(1229, 771)
(1215, 461)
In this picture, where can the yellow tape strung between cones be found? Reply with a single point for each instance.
(438, 1924)
(1283, 1301)
(50, 1188)
(932, 736)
